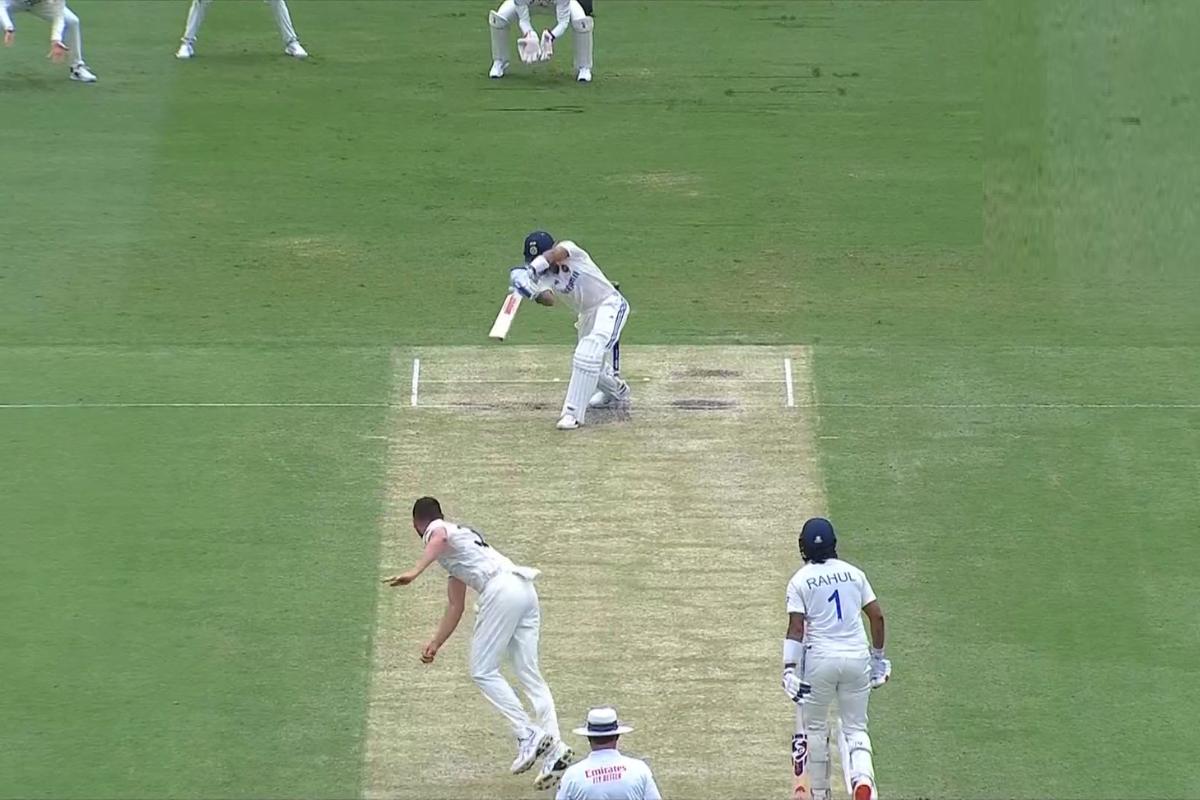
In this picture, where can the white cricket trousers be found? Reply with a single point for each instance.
(508, 11)
(592, 364)
(846, 679)
(508, 620)
(283, 20)
(72, 37)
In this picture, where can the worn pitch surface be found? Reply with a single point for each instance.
(665, 535)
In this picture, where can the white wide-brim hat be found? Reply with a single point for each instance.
(602, 723)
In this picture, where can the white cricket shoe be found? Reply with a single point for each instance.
(185, 51)
(498, 68)
(295, 49)
(81, 73)
(606, 400)
(585, 75)
(553, 766)
(534, 744)
(567, 422)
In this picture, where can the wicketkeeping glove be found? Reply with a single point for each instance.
(881, 668)
(522, 282)
(547, 45)
(796, 689)
(529, 48)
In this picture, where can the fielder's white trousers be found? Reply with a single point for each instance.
(283, 20)
(71, 35)
(846, 679)
(507, 623)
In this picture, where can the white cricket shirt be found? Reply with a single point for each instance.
(831, 596)
(608, 775)
(467, 556)
(582, 285)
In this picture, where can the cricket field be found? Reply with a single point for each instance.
(928, 268)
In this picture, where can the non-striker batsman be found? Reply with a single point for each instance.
(826, 658)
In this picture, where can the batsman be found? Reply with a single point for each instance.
(564, 271)
(826, 658)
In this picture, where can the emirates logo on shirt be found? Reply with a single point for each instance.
(605, 774)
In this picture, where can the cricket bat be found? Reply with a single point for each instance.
(801, 780)
(504, 320)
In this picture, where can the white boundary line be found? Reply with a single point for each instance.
(787, 377)
(416, 380)
(863, 406)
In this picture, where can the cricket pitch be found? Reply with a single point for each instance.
(666, 536)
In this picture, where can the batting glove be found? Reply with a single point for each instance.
(522, 282)
(547, 45)
(881, 668)
(796, 689)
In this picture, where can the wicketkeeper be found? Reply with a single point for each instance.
(532, 48)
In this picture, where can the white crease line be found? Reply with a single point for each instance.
(1013, 406)
(787, 377)
(416, 380)
(864, 406)
(523, 381)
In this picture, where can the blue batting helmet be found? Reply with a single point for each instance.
(817, 540)
(536, 243)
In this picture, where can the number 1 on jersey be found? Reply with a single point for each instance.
(837, 601)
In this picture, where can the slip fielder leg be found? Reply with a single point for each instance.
(73, 36)
(69, 32)
(195, 19)
(283, 20)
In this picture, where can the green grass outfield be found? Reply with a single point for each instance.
(979, 219)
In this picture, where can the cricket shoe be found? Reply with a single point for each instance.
(535, 744)
(497, 70)
(553, 766)
(862, 790)
(567, 422)
(606, 400)
(585, 75)
(185, 51)
(81, 73)
(296, 50)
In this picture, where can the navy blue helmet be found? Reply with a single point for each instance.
(817, 540)
(537, 243)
